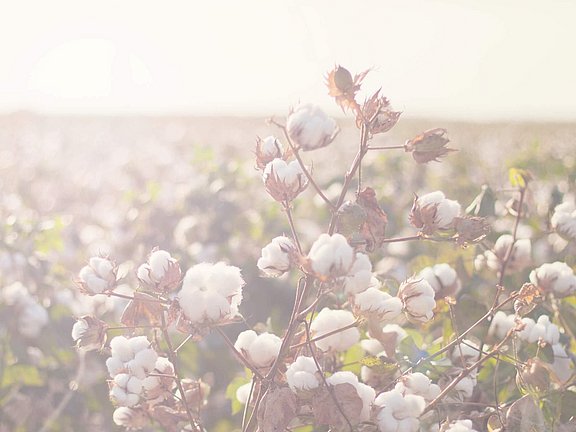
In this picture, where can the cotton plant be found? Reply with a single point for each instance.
(359, 350)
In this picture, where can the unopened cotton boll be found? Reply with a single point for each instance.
(331, 256)
(557, 278)
(260, 350)
(328, 321)
(359, 276)
(366, 393)
(417, 298)
(284, 181)
(434, 211)
(310, 128)
(276, 257)
(98, 276)
(211, 293)
(302, 374)
(564, 220)
(519, 259)
(443, 279)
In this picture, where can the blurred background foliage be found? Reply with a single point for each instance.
(74, 187)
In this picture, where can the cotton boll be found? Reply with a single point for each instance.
(434, 211)
(417, 298)
(328, 321)
(301, 375)
(557, 278)
(276, 256)
(564, 220)
(359, 276)
(283, 180)
(377, 303)
(114, 365)
(260, 350)
(309, 128)
(121, 348)
(243, 393)
(331, 256)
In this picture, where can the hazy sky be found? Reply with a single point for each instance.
(471, 59)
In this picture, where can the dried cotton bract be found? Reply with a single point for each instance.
(309, 128)
(211, 293)
(260, 350)
(276, 257)
(564, 220)
(557, 278)
(89, 333)
(417, 298)
(429, 146)
(284, 180)
(434, 211)
(98, 276)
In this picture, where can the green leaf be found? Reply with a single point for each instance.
(519, 177)
(352, 359)
(234, 385)
(21, 374)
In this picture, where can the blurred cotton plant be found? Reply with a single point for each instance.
(359, 352)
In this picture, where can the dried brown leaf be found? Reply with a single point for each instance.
(277, 409)
(348, 409)
(144, 309)
(373, 230)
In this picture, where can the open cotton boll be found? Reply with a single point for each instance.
(398, 412)
(211, 293)
(309, 128)
(377, 303)
(243, 393)
(284, 180)
(276, 256)
(359, 276)
(331, 256)
(260, 350)
(564, 220)
(329, 320)
(417, 298)
(302, 374)
(461, 426)
(434, 211)
(130, 418)
(557, 278)
(519, 259)
(418, 384)
(98, 276)
(542, 329)
(443, 279)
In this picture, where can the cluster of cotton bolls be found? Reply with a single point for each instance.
(131, 366)
(211, 293)
(31, 317)
(260, 350)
